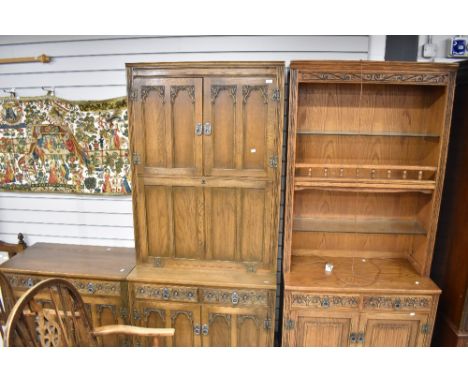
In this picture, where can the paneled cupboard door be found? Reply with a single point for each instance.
(240, 117)
(226, 326)
(393, 329)
(167, 126)
(320, 328)
(185, 318)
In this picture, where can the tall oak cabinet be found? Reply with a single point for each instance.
(206, 148)
(367, 149)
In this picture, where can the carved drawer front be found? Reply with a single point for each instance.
(235, 297)
(397, 303)
(85, 287)
(166, 293)
(324, 301)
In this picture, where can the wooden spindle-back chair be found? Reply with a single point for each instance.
(52, 313)
(7, 301)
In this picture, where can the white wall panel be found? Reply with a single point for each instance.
(93, 67)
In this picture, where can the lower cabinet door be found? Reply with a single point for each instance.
(227, 326)
(306, 327)
(107, 311)
(394, 329)
(183, 317)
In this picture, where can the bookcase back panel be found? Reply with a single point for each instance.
(365, 150)
(377, 109)
(362, 245)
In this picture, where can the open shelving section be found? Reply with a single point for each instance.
(366, 162)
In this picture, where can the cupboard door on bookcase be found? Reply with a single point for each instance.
(320, 328)
(241, 127)
(107, 313)
(394, 329)
(184, 318)
(166, 133)
(175, 220)
(240, 221)
(166, 144)
(227, 326)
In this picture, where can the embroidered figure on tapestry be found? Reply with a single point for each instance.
(48, 144)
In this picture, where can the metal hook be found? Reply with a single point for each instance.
(11, 92)
(50, 91)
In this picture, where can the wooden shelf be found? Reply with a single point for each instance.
(361, 185)
(347, 225)
(370, 133)
(349, 274)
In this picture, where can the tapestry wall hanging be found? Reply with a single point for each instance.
(48, 144)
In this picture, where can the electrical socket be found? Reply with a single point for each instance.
(429, 50)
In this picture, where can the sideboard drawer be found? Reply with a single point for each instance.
(165, 293)
(84, 286)
(234, 297)
(397, 303)
(324, 301)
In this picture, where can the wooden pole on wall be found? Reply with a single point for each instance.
(18, 60)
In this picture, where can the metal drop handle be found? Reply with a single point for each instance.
(205, 330)
(196, 330)
(198, 129)
(352, 338)
(360, 338)
(207, 128)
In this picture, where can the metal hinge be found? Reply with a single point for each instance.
(276, 95)
(289, 324)
(273, 161)
(158, 262)
(425, 328)
(136, 159)
(123, 313)
(136, 315)
(267, 324)
(132, 94)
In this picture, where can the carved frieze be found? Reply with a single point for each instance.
(396, 302)
(247, 89)
(215, 89)
(175, 89)
(439, 78)
(146, 90)
(324, 301)
(235, 297)
(163, 293)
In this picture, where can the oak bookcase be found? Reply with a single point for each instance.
(206, 143)
(367, 146)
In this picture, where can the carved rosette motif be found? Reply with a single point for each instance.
(166, 293)
(396, 303)
(230, 297)
(441, 78)
(216, 89)
(247, 89)
(317, 301)
(146, 90)
(175, 89)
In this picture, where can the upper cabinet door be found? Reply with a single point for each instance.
(167, 130)
(241, 130)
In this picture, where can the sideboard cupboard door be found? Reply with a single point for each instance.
(184, 318)
(394, 329)
(241, 127)
(320, 328)
(165, 136)
(107, 313)
(226, 326)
